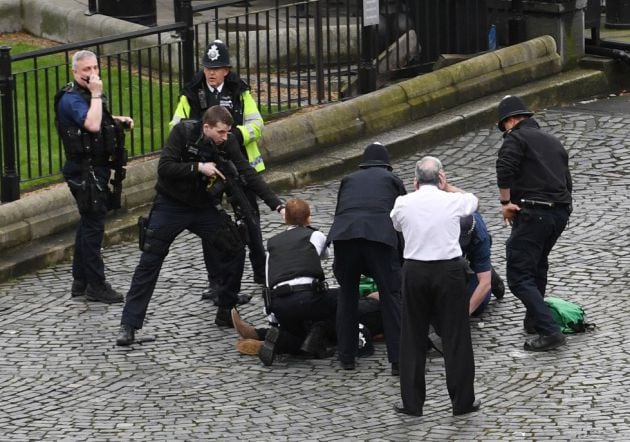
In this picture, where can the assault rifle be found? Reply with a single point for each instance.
(232, 186)
(115, 137)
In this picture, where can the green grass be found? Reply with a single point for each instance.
(138, 94)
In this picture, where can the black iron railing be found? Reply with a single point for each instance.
(293, 54)
(135, 79)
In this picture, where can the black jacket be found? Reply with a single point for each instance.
(534, 165)
(179, 178)
(364, 201)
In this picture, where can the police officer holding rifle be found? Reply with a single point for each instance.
(191, 164)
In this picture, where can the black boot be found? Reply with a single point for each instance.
(211, 293)
(78, 288)
(126, 335)
(224, 317)
(268, 351)
(315, 342)
(103, 292)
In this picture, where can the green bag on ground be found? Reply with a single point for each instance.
(366, 286)
(568, 315)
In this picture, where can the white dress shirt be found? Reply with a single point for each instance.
(429, 221)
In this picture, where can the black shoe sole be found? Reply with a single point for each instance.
(551, 346)
(268, 350)
(124, 342)
(402, 410)
(104, 301)
(473, 408)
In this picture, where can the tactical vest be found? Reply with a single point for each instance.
(80, 144)
(292, 255)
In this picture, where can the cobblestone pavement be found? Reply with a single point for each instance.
(62, 377)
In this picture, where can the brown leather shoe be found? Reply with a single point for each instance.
(249, 346)
(244, 329)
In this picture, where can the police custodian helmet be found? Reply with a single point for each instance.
(216, 55)
(511, 106)
(375, 155)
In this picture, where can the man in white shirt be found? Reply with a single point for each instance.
(434, 287)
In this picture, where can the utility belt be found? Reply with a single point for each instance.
(95, 161)
(537, 204)
(286, 289)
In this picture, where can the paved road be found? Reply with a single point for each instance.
(62, 378)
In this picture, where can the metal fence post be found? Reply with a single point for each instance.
(10, 178)
(92, 9)
(183, 12)
(319, 53)
(517, 33)
(369, 44)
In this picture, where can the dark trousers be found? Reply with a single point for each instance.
(168, 219)
(354, 258)
(87, 261)
(369, 315)
(256, 248)
(435, 291)
(534, 233)
(297, 312)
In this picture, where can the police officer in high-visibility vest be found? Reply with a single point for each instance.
(93, 145)
(215, 84)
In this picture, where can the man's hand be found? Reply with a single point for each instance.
(210, 169)
(509, 211)
(95, 85)
(127, 122)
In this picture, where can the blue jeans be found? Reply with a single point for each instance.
(534, 233)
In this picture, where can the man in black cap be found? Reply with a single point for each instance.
(535, 194)
(215, 84)
(365, 243)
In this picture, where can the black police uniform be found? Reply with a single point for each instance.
(298, 307)
(183, 201)
(200, 99)
(534, 166)
(87, 174)
(365, 243)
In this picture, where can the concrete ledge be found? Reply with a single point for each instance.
(409, 100)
